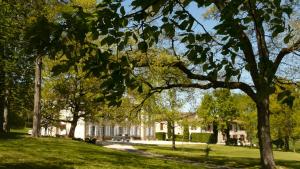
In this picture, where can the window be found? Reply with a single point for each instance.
(242, 137)
(193, 127)
(161, 126)
(136, 131)
(120, 131)
(112, 133)
(92, 133)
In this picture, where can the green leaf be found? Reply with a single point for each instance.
(143, 46)
(122, 10)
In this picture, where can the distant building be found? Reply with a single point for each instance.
(107, 130)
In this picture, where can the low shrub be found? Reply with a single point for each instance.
(181, 138)
(160, 136)
(202, 137)
(90, 140)
(232, 142)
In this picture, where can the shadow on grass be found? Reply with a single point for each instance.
(229, 162)
(12, 135)
(29, 165)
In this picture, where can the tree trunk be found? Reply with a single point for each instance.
(294, 143)
(173, 137)
(263, 127)
(73, 127)
(2, 89)
(286, 143)
(37, 98)
(227, 133)
(215, 131)
(5, 112)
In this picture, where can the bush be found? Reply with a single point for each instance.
(160, 135)
(181, 138)
(186, 133)
(202, 137)
(232, 142)
(90, 140)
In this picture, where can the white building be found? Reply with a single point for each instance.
(143, 131)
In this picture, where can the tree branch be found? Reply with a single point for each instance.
(283, 53)
(214, 83)
(247, 49)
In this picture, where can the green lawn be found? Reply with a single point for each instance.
(21, 152)
(17, 150)
(229, 156)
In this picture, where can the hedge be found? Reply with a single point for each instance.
(160, 135)
(202, 137)
(180, 138)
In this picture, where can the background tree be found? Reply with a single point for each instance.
(283, 117)
(247, 115)
(16, 67)
(218, 109)
(74, 91)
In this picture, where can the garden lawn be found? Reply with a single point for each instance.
(227, 156)
(22, 152)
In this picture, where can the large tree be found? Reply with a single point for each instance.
(241, 40)
(238, 51)
(16, 70)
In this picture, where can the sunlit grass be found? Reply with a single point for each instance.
(24, 152)
(230, 156)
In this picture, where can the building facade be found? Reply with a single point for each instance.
(143, 131)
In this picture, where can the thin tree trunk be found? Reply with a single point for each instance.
(294, 143)
(227, 132)
(37, 98)
(263, 127)
(173, 137)
(215, 131)
(2, 81)
(5, 112)
(103, 132)
(286, 143)
(73, 127)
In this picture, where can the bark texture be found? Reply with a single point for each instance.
(173, 137)
(5, 112)
(37, 98)
(263, 127)
(73, 127)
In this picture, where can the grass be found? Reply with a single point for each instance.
(20, 151)
(17, 150)
(227, 156)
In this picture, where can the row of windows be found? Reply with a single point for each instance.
(112, 131)
(233, 127)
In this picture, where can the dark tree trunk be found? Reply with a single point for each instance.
(173, 136)
(263, 127)
(227, 133)
(103, 132)
(215, 131)
(286, 143)
(2, 89)
(5, 112)
(73, 127)
(37, 98)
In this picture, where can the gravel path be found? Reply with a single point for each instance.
(131, 149)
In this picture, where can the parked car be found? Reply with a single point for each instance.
(123, 138)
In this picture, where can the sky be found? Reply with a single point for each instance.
(198, 13)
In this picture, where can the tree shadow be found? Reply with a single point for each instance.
(12, 135)
(34, 165)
